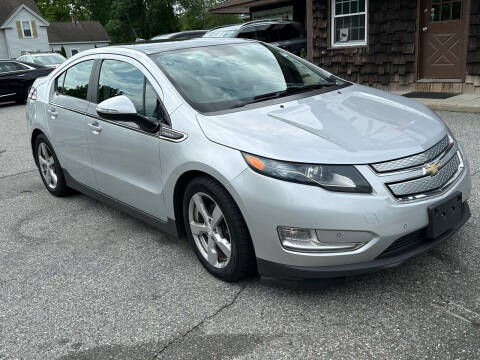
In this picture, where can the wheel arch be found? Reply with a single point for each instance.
(35, 133)
(179, 191)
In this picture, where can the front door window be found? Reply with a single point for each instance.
(446, 10)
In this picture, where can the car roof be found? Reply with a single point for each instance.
(152, 48)
(254, 22)
(43, 54)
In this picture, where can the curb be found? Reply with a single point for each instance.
(455, 108)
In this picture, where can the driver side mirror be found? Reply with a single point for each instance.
(121, 109)
(117, 107)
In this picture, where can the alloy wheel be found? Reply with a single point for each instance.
(210, 230)
(46, 162)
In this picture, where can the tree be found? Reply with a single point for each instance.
(195, 15)
(144, 17)
(62, 10)
(63, 52)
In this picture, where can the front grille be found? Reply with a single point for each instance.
(414, 160)
(427, 183)
(405, 244)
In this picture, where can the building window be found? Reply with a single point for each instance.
(349, 22)
(27, 29)
(446, 10)
(74, 52)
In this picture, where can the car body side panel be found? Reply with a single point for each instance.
(67, 133)
(197, 153)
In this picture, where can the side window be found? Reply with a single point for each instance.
(59, 83)
(247, 33)
(265, 33)
(19, 66)
(121, 78)
(287, 32)
(153, 108)
(9, 66)
(76, 80)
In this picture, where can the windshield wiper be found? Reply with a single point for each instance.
(291, 89)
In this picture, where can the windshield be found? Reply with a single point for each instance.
(226, 32)
(215, 78)
(52, 59)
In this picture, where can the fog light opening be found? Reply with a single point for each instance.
(311, 240)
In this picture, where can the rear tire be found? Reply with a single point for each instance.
(50, 170)
(221, 242)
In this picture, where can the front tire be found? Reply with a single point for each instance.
(49, 168)
(217, 230)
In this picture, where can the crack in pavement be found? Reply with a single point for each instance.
(20, 173)
(179, 339)
(460, 312)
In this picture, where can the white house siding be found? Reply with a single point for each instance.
(78, 46)
(17, 45)
(3, 46)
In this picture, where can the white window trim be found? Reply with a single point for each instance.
(23, 29)
(71, 52)
(342, 44)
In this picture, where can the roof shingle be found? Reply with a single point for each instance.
(9, 6)
(81, 31)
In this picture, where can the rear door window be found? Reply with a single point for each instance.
(248, 33)
(286, 32)
(266, 33)
(9, 66)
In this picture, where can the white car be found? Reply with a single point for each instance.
(51, 60)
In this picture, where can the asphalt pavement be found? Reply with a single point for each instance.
(80, 280)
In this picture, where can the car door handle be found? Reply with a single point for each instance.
(53, 113)
(96, 128)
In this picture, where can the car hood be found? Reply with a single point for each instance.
(353, 125)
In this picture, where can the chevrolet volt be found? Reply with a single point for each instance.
(267, 163)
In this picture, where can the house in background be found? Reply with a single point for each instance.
(403, 45)
(76, 36)
(24, 30)
(21, 28)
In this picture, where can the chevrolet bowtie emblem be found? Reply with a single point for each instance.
(432, 169)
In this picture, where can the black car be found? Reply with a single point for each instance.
(285, 34)
(17, 77)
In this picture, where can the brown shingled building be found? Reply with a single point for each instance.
(426, 45)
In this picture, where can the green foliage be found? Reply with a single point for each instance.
(63, 52)
(61, 10)
(195, 15)
(147, 17)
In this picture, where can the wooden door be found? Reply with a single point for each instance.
(442, 39)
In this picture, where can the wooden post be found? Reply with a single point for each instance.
(309, 29)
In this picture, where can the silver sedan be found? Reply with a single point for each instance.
(264, 161)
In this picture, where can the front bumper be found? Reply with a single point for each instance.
(267, 203)
(268, 269)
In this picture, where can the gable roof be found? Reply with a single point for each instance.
(10, 6)
(81, 31)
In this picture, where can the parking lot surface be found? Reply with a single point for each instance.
(80, 280)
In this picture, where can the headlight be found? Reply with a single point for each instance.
(340, 178)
